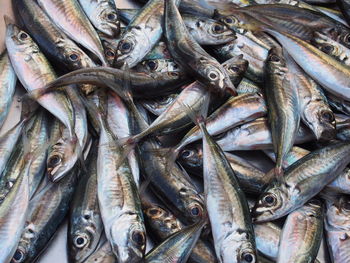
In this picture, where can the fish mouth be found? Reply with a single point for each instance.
(325, 134)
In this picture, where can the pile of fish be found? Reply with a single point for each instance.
(212, 130)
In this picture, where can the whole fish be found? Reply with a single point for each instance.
(227, 206)
(103, 15)
(119, 200)
(236, 111)
(177, 247)
(255, 135)
(163, 223)
(69, 16)
(204, 30)
(34, 72)
(8, 81)
(142, 34)
(315, 111)
(283, 106)
(13, 212)
(302, 180)
(52, 41)
(46, 212)
(337, 228)
(302, 234)
(85, 225)
(188, 53)
(327, 71)
(142, 85)
(332, 48)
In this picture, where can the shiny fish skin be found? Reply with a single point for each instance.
(71, 19)
(302, 233)
(337, 228)
(8, 81)
(34, 72)
(283, 106)
(158, 106)
(302, 180)
(267, 238)
(158, 65)
(103, 15)
(187, 52)
(46, 212)
(236, 111)
(85, 225)
(103, 254)
(177, 247)
(163, 223)
(227, 206)
(248, 86)
(327, 71)
(13, 212)
(315, 111)
(52, 41)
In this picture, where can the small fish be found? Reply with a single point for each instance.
(187, 52)
(103, 15)
(69, 16)
(302, 180)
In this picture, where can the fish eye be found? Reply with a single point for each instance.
(18, 256)
(87, 217)
(248, 257)
(327, 48)
(269, 199)
(347, 38)
(185, 154)
(274, 58)
(228, 20)
(154, 212)
(213, 75)
(218, 28)
(80, 241)
(54, 160)
(73, 57)
(23, 36)
(174, 74)
(125, 46)
(234, 69)
(328, 116)
(112, 16)
(152, 65)
(196, 210)
(138, 237)
(110, 53)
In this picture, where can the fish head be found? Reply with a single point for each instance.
(214, 30)
(195, 209)
(18, 41)
(325, 44)
(86, 237)
(192, 157)
(61, 158)
(161, 219)
(238, 247)
(235, 68)
(109, 22)
(271, 204)
(129, 49)
(216, 75)
(322, 119)
(128, 238)
(19, 256)
(338, 212)
(75, 57)
(343, 37)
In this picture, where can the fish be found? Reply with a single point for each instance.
(302, 181)
(344, 8)
(157, 65)
(177, 247)
(302, 233)
(54, 43)
(327, 71)
(85, 226)
(315, 111)
(158, 106)
(188, 54)
(283, 106)
(163, 223)
(337, 228)
(34, 72)
(267, 238)
(46, 211)
(69, 16)
(8, 84)
(248, 86)
(103, 254)
(226, 204)
(103, 15)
